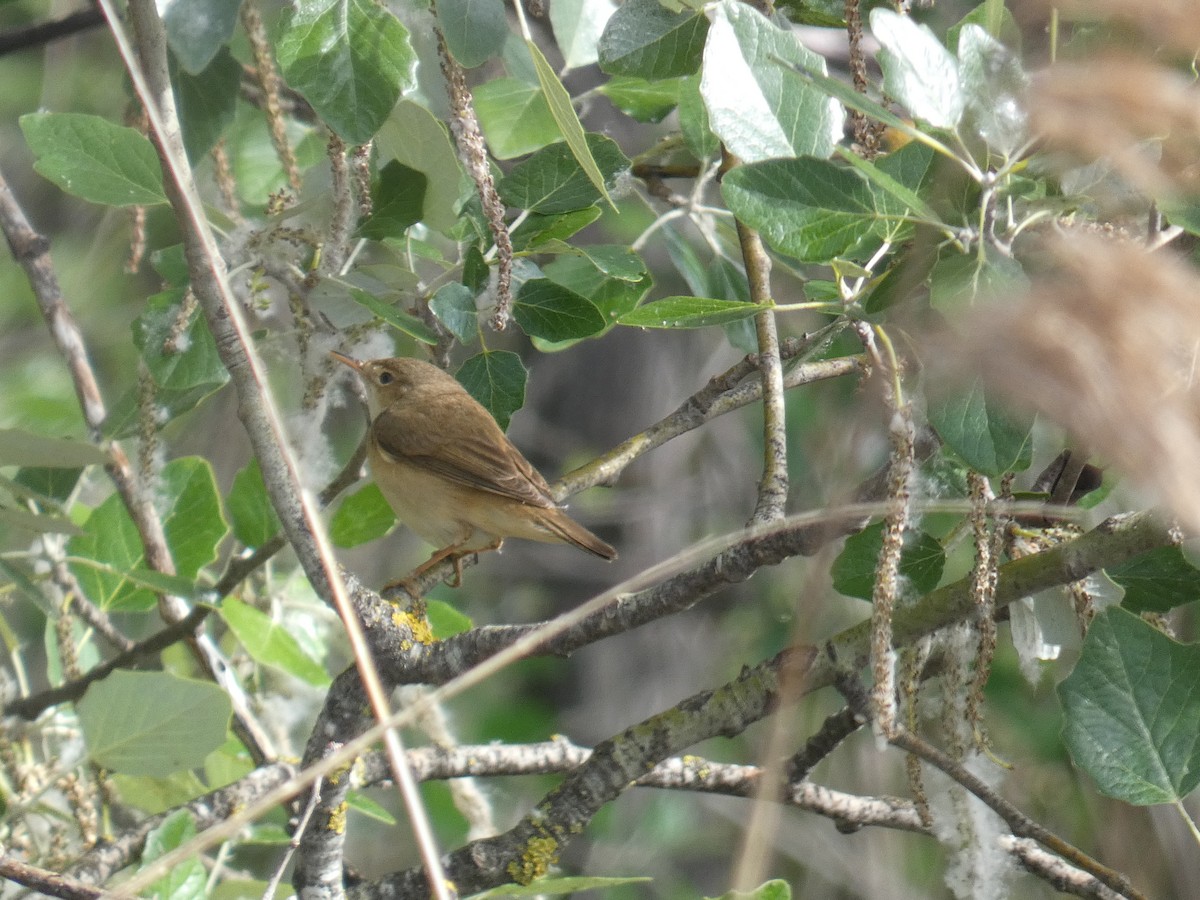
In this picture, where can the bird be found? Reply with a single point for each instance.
(450, 472)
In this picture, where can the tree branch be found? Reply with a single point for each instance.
(728, 710)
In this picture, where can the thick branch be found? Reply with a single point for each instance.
(728, 710)
(109, 857)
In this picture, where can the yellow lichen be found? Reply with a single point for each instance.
(337, 818)
(417, 624)
(540, 854)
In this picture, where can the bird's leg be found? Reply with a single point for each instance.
(457, 558)
(454, 553)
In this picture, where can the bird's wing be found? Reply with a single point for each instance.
(469, 450)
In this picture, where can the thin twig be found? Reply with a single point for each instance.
(1022, 826)
(41, 33)
(832, 732)
(723, 393)
(773, 487)
(31, 250)
(294, 844)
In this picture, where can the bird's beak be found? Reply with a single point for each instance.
(352, 363)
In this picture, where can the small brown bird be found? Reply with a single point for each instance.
(449, 471)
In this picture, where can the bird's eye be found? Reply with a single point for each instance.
(386, 377)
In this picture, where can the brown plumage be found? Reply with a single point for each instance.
(449, 471)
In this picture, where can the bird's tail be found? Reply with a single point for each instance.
(571, 532)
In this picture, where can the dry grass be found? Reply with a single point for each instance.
(1140, 117)
(1106, 344)
(1163, 23)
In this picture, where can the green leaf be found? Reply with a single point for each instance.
(1157, 581)
(454, 305)
(414, 137)
(514, 116)
(191, 514)
(158, 795)
(474, 29)
(397, 318)
(921, 562)
(257, 169)
(822, 13)
(250, 510)
(958, 280)
(917, 70)
(37, 523)
(110, 538)
(689, 312)
(762, 110)
(161, 583)
(269, 643)
(693, 119)
(496, 378)
(770, 890)
(614, 295)
(207, 101)
(24, 448)
(362, 516)
(197, 31)
(645, 101)
(92, 158)
(563, 110)
(646, 40)
(152, 723)
(351, 59)
(397, 201)
(578, 25)
(445, 620)
(1132, 711)
(547, 310)
(808, 208)
(49, 482)
(615, 260)
(852, 99)
(537, 230)
(552, 181)
(187, 879)
(993, 17)
(363, 804)
(988, 439)
(994, 85)
(687, 262)
(178, 349)
(169, 404)
(1183, 211)
(22, 579)
(894, 197)
(557, 885)
(192, 520)
(475, 270)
